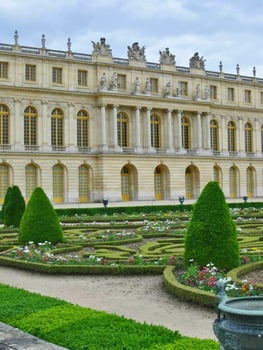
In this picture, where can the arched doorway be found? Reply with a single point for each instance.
(192, 182)
(251, 182)
(129, 183)
(161, 183)
(233, 182)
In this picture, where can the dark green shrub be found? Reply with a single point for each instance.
(14, 207)
(6, 199)
(211, 235)
(40, 222)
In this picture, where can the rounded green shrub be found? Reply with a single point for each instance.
(211, 235)
(6, 199)
(14, 207)
(40, 222)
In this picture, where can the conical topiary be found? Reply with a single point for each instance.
(40, 222)
(6, 199)
(14, 207)
(211, 235)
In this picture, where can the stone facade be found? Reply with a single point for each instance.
(90, 126)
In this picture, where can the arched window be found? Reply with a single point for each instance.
(4, 125)
(4, 181)
(155, 131)
(231, 136)
(122, 129)
(250, 182)
(84, 183)
(218, 174)
(233, 182)
(248, 138)
(185, 124)
(82, 129)
(30, 126)
(58, 183)
(31, 179)
(57, 127)
(214, 135)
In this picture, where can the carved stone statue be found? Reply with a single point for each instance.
(169, 88)
(198, 91)
(166, 57)
(103, 82)
(114, 82)
(137, 85)
(148, 86)
(101, 48)
(136, 53)
(207, 92)
(178, 89)
(197, 62)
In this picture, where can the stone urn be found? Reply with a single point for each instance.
(239, 323)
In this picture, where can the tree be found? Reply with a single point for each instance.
(40, 222)
(6, 199)
(14, 207)
(211, 235)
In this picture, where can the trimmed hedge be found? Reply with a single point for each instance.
(184, 292)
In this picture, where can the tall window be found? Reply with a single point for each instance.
(262, 138)
(3, 70)
(213, 92)
(214, 135)
(121, 79)
(155, 131)
(247, 96)
(82, 78)
(31, 179)
(231, 136)
(58, 183)
(184, 88)
(56, 75)
(248, 138)
(57, 127)
(217, 174)
(185, 124)
(233, 182)
(4, 125)
(230, 94)
(83, 183)
(30, 72)
(30, 126)
(82, 129)
(154, 84)
(122, 129)
(4, 181)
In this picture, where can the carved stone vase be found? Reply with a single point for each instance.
(239, 325)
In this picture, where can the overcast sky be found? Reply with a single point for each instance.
(219, 30)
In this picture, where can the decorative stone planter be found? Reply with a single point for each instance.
(239, 325)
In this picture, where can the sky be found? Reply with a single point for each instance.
(219, 30)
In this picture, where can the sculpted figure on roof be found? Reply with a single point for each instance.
(166, 57)
(136, 53)
(101, 48)
(197, 62)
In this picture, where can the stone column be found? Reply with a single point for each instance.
(207, 144)
(148, 126)
(103, 144)
(240, 137)
(199, 131)
(16, 125)
(115, 129)
(138, 129)
(170, 131)
(179, 130)
(44, 128)
(224, 135)
(257, 138)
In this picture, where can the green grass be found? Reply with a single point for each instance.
(79, 328)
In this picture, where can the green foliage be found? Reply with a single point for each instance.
(211, 235)
(40, 222)
(14, 207)
(6, 199)
(189, 343)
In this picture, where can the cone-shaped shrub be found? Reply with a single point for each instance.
(211, 235)
(40, 222)
(6, 199)
(14, 208)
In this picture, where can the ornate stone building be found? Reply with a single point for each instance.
(90, 126)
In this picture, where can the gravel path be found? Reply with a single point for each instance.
(140, 298)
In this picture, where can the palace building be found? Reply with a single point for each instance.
(87, 127)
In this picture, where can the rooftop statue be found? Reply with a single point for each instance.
(101, 48)
(136, 53)
(197, 62)
(166, 57)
